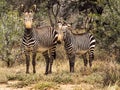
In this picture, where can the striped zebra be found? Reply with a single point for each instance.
(77, 44)
(40, 39)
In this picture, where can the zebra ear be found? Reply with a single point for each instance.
(21, 9)
(60, 26)
(34, 8)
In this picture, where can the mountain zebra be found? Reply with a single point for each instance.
(43, 39)
(77, 44)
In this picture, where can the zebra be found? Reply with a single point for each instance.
(77, 44)
(39, 39)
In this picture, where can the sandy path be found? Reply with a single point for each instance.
(5, 86)
(82, 86)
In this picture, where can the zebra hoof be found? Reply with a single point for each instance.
(50, 72)
(27, 72)
(90, 65)
(71, 71)
(34, 72)
(46, 73)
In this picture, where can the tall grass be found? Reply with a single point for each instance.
(112, 74)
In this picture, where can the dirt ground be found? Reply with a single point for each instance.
(4, 86)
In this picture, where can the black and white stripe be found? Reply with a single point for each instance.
(28, 38)
(41, 39)
(78, 44)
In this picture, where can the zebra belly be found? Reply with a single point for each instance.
(42, 49)
(36, 48)
(29, 49)
(81, 51)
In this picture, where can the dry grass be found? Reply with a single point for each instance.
(46, 86)
(104, 75)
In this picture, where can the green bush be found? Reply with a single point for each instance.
(11, 29)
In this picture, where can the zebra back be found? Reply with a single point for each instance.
(46, 36)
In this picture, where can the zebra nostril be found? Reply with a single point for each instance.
(59, 42)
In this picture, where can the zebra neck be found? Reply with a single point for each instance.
(67, 38)
(28, 32)
(28, 38)
(68, 35)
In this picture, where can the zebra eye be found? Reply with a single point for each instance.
(24, 18)
(64, 32)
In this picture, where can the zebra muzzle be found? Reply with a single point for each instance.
(28, 24)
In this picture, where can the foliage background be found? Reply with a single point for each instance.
(104, 23)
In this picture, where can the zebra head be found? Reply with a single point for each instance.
(28, 20)
(61, 29)
(28, 14)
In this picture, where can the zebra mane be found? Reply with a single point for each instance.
(70, 29)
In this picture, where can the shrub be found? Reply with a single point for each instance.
(112, 74)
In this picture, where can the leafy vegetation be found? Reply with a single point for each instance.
(11, 32)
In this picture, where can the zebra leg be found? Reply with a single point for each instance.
(52, 57)
(51, 63)
(33, 61)
(85, 59)
(91, 57)
(27, 55)
(71, 62)
(46, 56)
